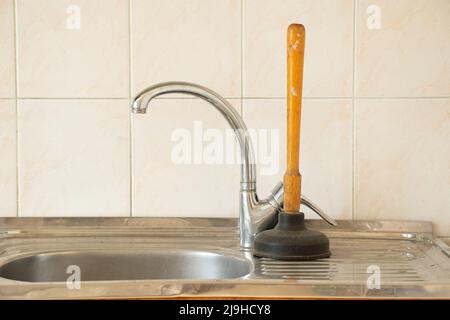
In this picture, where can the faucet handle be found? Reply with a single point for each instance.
(277, 196)
(307, 202)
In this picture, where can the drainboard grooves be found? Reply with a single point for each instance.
(399, 261)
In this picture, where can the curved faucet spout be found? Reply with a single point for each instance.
(248, 171)
(254, 215)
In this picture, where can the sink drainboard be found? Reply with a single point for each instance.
(354, 260)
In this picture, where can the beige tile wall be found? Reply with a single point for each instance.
(328, 53)
(54, 62)
(188, 40)
(403, 160)
(410, 55)
(326, 144)
(73, 157)
(162, 187)
(7, 61)
(8, 163)
(376, 121)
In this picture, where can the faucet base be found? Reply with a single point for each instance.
(290, 240)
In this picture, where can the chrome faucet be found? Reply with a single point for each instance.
(255, 215)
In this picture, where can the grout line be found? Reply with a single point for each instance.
(130, 75)
(402, 98)
(303, 98)
(231, 98)
(351, 97)
(16, 50)
(354, 116)
(16, 71)
(130, 122)
(105, 98)
(130, 132)
(73, 98)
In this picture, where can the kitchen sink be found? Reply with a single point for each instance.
(201, 258)
(121, 265)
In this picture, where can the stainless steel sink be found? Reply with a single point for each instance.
(120, 265)
(202, 258)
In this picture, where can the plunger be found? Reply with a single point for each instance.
(290, 239)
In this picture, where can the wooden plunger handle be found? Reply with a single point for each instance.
(295, 55)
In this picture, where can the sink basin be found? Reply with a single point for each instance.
(122, 265)
(199, 258)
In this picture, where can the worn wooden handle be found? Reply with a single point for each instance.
(295, 57)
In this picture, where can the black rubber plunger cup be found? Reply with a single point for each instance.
(290, 239)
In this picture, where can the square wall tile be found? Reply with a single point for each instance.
(73, 49)
(328, 49)
(403, 160)
(7, 59)
(325, 156)
(8, 181)
(402, 48)
(184, 161)
(74, 158)
(196, 41)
